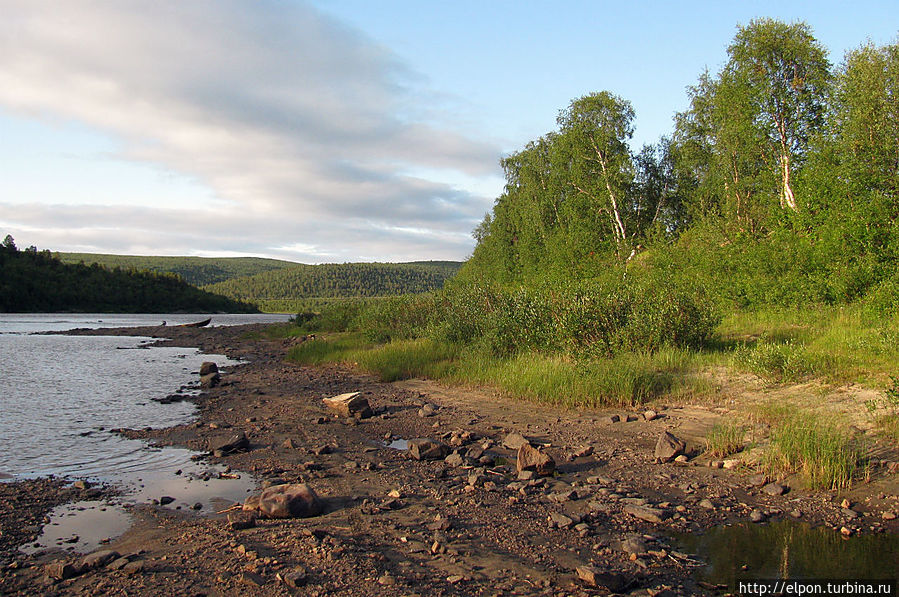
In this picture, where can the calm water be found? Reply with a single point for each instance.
(59, 395)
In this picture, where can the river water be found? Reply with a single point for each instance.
(61, 395)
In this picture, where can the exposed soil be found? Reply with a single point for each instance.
(394, 525)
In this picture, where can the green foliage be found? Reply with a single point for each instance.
(197, 271)
(35, 281)
(299, 282)
(724, 438)
(806, 443)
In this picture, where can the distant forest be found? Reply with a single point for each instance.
(36, 281)
(288, 285)
(198, 271)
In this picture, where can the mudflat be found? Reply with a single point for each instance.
(462, 520)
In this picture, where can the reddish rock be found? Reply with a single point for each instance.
(289, 501)
(532, 459)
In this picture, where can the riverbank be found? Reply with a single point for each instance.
(468, 525)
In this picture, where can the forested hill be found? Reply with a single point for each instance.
(36, 281)
(197, 271)
(339, 280)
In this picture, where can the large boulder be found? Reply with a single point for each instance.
(289, 501)
(668, 447)
(351, 404)
(532, 459)
(208, 367)
(427, 449)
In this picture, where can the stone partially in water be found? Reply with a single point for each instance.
(208, 367)
(229, 443)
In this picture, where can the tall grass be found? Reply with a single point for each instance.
(805, 443)
(724, 438)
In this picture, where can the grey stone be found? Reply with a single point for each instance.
(646, 513)
(514, 441)
(774, 489)
(99, 559)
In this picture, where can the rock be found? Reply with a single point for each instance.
(296, 578)
(289, 444)
(119, 563)
(455, 459)
(229, 443)
(888, 516)
(166, 500)
(716, 464)
(845, 531)
(707, 504)
(646, 513)
(774, 489)
(423, 448)
(532, 459)
(731, 463)
(681, 459)
(845, 503)
(757, 480)
(633, 544)
(757, 516)
(208, 367)
(526, 475)
(134, 567)
(386, 579)
(631, 418)
(849, 513)
(81, 484)
(428, 410)
(650, 415)
(252, 579)
(592, 576)
(668, 447)
(289, 501)
(239, 521)
(582, 451)
(210, 380)
(560, 520)
(514, 441)
(99, 559)
(797, 513)
(62, 571)
(351, 404)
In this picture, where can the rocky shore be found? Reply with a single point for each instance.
(421, 489)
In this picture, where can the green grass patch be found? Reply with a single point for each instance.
(724, 438)
(826, 456)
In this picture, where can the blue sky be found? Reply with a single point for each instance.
(328, 131)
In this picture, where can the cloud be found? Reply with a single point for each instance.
(296, 122)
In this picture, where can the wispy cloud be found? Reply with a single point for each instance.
(303, 127)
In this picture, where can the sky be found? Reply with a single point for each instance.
(327, 131)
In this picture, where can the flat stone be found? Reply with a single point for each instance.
(594, 577)
(562, 521)
(707, 504)
(454, 459)
(134, 567)
(514, 441)
(351, 404)
(99, 559)
(849, 513)
(646, 513)
(582, 451)
(774, 489)
(226, 444)
(427, 449)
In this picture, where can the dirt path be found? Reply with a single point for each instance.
(394, 525)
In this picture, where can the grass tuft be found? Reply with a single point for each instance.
(724, 438)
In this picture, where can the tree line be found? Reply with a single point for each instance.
(778, 184)
(198, 271)
(36, 281)
(338, 280)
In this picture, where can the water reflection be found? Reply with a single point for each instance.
(788, 549)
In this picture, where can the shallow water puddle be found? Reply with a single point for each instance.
(399, 444)
(192, 487)
(81, 527)
(789, 549)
